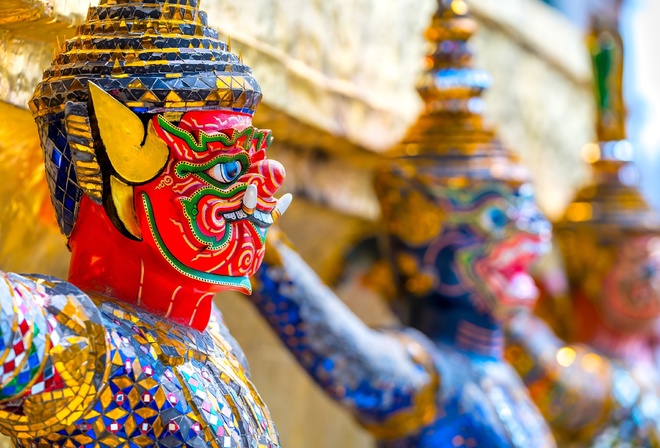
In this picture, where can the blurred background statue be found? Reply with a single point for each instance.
(463, 228)
(161, 186)
(333, 117)
(602, 391)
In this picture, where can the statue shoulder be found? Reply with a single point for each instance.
(68, 354)
(64, 296)
(132, 329)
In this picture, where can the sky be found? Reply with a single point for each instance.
(640, 28)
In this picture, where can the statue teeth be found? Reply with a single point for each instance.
(282, 205)
(250, 199)
(235, 215)
(264, 218)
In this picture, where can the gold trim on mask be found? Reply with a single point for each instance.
(123, 134)
(81, 142)
(122, 199)
(136, 156)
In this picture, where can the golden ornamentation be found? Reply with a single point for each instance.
(123, 134)
(611, 208)
(123, 201)
(415, 212)
(452, 126)
(78, 355)
(81, 142)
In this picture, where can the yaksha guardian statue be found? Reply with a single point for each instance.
(602, 390)
(162, 188)
(463, 228)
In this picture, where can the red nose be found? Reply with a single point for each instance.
(273, 174)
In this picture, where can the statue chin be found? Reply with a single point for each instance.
(229, 266)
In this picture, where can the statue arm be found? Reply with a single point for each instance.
(570, 384)
(53, 352)
(386, 379)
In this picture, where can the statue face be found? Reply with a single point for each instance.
(208, 211)
(472, 242)
(631, 289)
(514, 234)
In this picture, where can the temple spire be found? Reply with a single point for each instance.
(448, 73)
(612, 201)
(607, 56)
(451, 128)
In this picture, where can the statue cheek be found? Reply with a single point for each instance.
(246, 249)
(210, 220)
(258, 259)
(246, 259)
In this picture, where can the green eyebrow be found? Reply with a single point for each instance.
(250, 133)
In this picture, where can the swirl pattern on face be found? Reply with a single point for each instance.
(485, 236)
(632, 286)
(195, 207)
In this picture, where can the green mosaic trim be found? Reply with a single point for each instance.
(17, 388)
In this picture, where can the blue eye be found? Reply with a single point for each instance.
(494, 218)
(226, 172)
(498, 217)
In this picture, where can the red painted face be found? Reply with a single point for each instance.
(199, 225)
(631, 292)
(515, 234)
(195, 212)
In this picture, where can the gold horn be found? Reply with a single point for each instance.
(122, 133)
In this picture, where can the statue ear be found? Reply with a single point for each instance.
(135, 157)
(123, 133)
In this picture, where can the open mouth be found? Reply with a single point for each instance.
(506, 269)
(235, 210)
(258, 217)
(216, 219)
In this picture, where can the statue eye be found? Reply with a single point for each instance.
(226, 172)
(494, 218)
